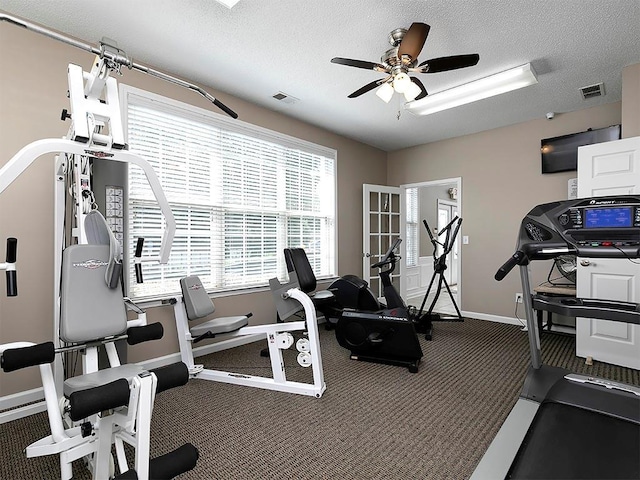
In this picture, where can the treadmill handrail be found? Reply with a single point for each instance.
(617, 311)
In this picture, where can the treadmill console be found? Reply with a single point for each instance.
(588, 227)
(603, 225)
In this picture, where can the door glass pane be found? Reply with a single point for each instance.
(374, 202)
(373, 223)
(374, 248)
(395, 203)
(374, 284)
(395, 224)
(384, 223)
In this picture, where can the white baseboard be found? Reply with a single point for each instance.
(23, 400)
(494, 318)
(20, 405)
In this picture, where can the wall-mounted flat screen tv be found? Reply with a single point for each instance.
(560, 154)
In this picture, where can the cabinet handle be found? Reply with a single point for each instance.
(585, 263)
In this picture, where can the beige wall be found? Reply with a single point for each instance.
(631, 101)
(501, 182)
(33, 86)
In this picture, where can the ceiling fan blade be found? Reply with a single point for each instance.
(420, 84)
(359, 64)
(413, 40)
(368, 87)
(444, 64)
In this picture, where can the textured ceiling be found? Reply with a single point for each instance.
(262, 47)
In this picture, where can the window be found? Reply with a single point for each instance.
(411, 196)
(240, 194)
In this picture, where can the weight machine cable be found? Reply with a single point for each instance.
(115, 58)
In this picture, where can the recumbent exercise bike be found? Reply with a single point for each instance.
(371, 331)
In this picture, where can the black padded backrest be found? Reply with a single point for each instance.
(298, 262)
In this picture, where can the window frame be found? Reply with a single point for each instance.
(129, 94)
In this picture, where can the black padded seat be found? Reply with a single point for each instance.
(297, 261)
(323, 300)
(101, 377)
(220, 325)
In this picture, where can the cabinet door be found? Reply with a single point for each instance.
(612, 342)
(611, 168)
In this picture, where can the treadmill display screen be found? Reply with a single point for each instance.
(608, 217)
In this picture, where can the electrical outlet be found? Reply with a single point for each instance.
(518, 298)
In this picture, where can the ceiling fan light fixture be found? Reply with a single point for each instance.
(401, 82)
(228, 3)
(385, 92)
(412, 92)
(507, 81)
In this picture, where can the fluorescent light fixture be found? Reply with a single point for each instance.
(385, 92)
(228, 3)
(502, 82)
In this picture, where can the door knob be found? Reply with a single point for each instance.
(585, 263)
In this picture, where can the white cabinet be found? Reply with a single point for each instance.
(611, 168)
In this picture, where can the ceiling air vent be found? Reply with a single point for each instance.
(591, 91)
(284, 98)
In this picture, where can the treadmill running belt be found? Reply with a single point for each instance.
(566, 442)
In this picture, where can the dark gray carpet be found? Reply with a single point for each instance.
(373, 422)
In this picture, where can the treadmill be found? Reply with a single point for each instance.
(568, 426)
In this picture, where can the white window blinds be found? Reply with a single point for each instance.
(240, 195)
(412, 245)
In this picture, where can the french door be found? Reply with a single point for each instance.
(381, 227)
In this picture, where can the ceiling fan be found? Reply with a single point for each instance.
(402, 59)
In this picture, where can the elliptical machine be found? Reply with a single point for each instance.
(385, 334)
(424, 322)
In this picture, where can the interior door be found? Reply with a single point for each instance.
(611, 168)
(447, 211)
(381, 227)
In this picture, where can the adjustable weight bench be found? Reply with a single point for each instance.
(100, 407)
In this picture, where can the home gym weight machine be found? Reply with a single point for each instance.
(95, 134)
(108, 406)
(195, 305)
(424, 320)
(566, 425)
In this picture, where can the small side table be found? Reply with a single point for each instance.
(556, 290)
